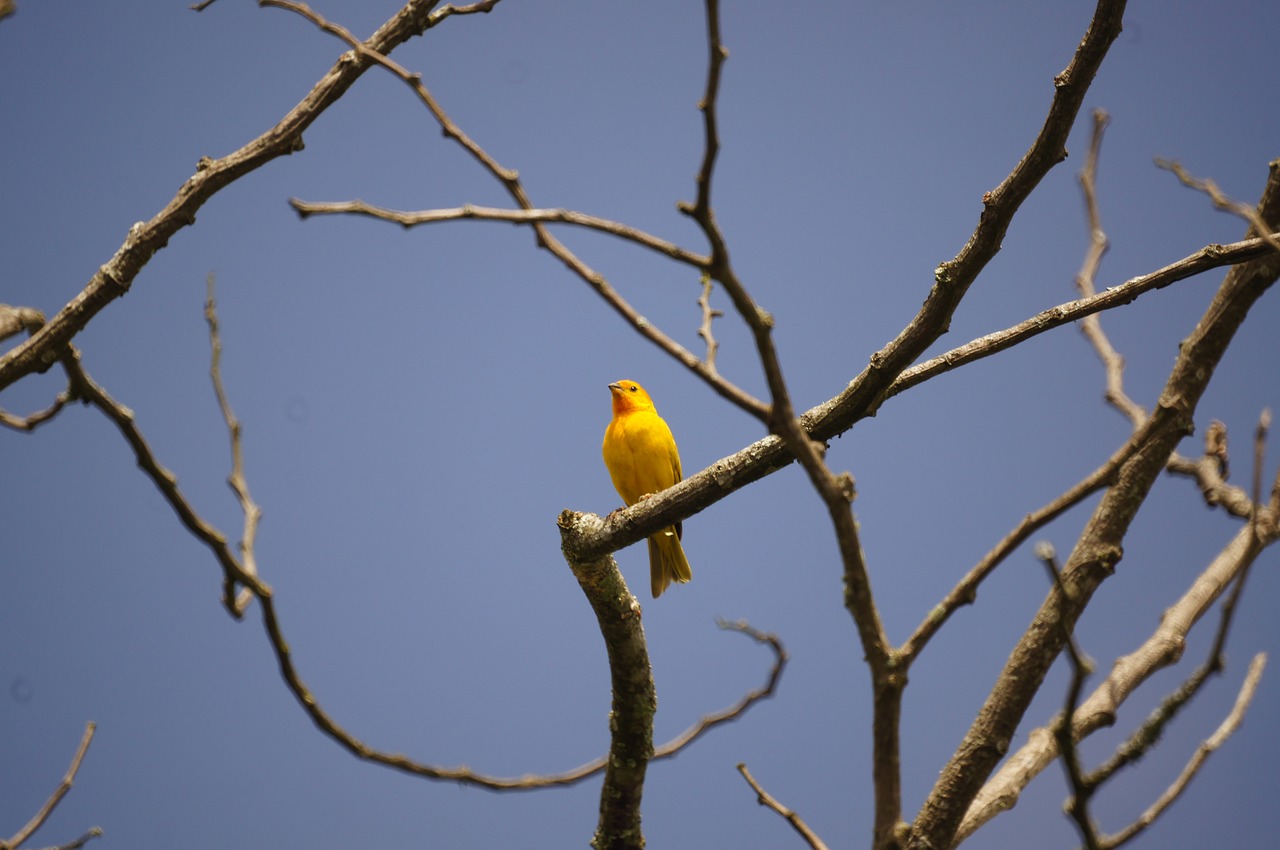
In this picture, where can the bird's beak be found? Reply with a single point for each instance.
(615, 387)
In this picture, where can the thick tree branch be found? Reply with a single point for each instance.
(1099, 548)
(1099, 709)
(953, 278)
(634, 697)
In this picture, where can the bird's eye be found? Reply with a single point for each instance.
(634, 388)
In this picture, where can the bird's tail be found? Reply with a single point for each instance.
(667, 562)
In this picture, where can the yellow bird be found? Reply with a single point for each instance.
(642, 459)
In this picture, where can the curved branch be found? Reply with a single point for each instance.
(521, 216)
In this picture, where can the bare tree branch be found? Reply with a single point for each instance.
(113, 279)
(764, 798)
(242, 571)
(1162, 649)
(1081, 668)
(96, 832)
(708, 316)
(510, 181)
(1257, 223)
(237, 481)
(634, 698)
(448, 10)
(1112, 362)
(68, 779)
(524, 216)
(1099, 547)
(1000, 205)
(1212, 743)
(15, 320)
(966, 590)
(1001, 793)
(836, 491)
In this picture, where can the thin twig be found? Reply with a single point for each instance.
(1210, 473)
(510, 181)
(1259, 459)
(114, 278)
(764, 798)
(1081, 668)
(836, 491)
(166, 482)
(64, 786)
(447, 10)
(708, 316)
(95, 832)
(966, 590)
(15, 320)
(1257, 224)
(733, 712)
(1224, 731)
(236, 480)
(1207, 258)
(34, 420)
(1112, 361)
(521, 216)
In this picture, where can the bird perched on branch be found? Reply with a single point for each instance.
(642, 459)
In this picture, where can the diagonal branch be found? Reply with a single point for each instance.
(1257, 222)
(1081, 667)
(510, 181)
(55, 798)
(953, 278)
(1206, 259)
(1228, 727)
(966, 590)
(1162, 649)
(1099, 548)
(764, 798)
(113, 279)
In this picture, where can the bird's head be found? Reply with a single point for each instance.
(629, 396)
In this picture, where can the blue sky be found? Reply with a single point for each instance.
(418, 406)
